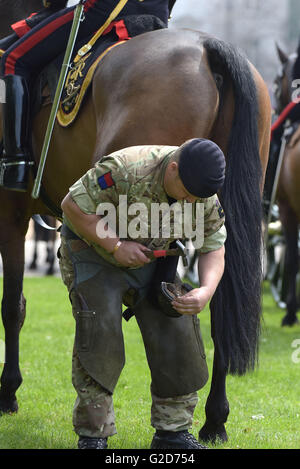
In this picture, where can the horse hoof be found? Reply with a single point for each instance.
(212, 434)
(289, 321)
(8, 406)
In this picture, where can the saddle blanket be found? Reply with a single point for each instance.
(89, 56)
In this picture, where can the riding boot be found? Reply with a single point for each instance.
(15, 164)
(270, 174)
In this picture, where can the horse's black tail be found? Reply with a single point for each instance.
(236, 306)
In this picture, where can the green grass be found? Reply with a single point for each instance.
(265, 404)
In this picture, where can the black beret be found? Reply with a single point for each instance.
(201, 167)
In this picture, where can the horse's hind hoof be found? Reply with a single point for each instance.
(208, 434)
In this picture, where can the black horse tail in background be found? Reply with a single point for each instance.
(236, 305)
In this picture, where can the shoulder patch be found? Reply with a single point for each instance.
(221, 212)
(220, 209)
(105, 181)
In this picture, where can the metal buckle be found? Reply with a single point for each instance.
(2, 171)
(6, 164)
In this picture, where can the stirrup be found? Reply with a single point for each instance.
(14, 174)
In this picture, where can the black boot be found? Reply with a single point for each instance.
(15, 164)
(85, 442)
(175, 440)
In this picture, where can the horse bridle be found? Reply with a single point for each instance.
(285, 71)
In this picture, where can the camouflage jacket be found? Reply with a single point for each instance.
(126, 189)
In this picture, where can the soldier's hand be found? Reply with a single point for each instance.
(131, 254)
(192, 302)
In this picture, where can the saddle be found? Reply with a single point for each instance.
(85, 60)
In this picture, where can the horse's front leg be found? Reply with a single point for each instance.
(290, 227)
(13, 315)
(217, 405)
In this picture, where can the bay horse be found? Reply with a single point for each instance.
(288, 191)
(162, 87)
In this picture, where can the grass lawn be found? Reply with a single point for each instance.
(265, 405)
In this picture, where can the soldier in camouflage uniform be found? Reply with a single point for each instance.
(102, 273)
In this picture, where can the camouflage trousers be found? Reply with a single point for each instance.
(93, 413)
(176, 373)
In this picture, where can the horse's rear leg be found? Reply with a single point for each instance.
(13, 315)
(290, 228)
(50, 257)
(217, 406)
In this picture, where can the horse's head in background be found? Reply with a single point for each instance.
(283, 86)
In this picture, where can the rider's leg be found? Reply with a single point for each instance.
(30, 53)
(15, 163)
